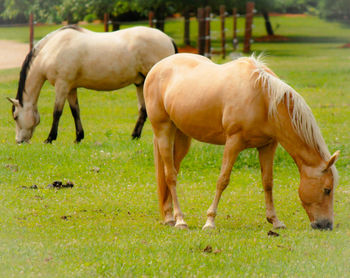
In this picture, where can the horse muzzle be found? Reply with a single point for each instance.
(323, 224)
(22, 141)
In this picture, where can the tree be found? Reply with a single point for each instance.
(118, 10)
(43, 10)
(161, 9)
(335, 9)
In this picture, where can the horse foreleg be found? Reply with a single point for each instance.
(74, 107)
(61, 95)
(142, 112)
(233, 147)
(266, 155)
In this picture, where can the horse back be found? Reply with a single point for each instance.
(103, 61)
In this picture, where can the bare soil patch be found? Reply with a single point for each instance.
(274, 38)
(188, 49)
(346, 45)
(12, 54)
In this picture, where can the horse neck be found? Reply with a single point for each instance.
(33, 85)
(304, 155)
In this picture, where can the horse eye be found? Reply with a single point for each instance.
(327, 191)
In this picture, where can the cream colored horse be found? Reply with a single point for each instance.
(73, 57)
(241, 104)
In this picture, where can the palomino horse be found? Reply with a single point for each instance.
(241, 104)
(73, 57)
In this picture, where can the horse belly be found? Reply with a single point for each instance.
(204, 133)
(105, 79)
(201, 122)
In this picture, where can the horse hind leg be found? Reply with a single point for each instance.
(62, 91)
(181, 146)
(142, 112)
(74, 107)
(266, 155)
(167, 172)
(164, 195)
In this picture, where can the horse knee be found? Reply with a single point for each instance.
(223, 182)
(170, 180)
(268, 185)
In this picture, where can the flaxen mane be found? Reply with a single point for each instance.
(30, 57)
(300, 113)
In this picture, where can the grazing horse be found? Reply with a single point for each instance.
(73, 57)
(241, 104)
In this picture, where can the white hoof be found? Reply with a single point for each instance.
(181, 225)
(208, 226)
(279, 225)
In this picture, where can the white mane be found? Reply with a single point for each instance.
(302, 118)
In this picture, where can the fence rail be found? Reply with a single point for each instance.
(205, 33)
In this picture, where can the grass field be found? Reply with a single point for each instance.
(108, 225)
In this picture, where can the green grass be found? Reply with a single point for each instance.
(108, 225)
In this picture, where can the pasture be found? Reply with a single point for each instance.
(108, 224)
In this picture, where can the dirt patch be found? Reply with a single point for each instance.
(188, 49)
(288, 15)
(274, 38)
(12, 54)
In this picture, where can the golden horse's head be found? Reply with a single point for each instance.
(316, 193)
(27, 118)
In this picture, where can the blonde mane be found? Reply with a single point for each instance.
(300, 113)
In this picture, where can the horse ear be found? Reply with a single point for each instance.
(15, 102)
(332, 160)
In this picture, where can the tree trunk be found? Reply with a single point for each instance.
(268, 25)
(160, 17)
(160, 24)
(115, 26)
(187, 27)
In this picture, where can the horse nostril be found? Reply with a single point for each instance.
(323, 224)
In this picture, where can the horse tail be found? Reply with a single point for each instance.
(160, 175)
(175, 47)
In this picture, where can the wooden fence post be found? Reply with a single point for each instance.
(201, 31)
(31, 31)
(223, 35)
(106, 23)
(235, 40)
(248, 26)
(207, 51)
(150, 18)
(187, 27)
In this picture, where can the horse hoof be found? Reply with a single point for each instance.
(135, 136)
(208, 227)
(48, 141)
(170, 223)
(181, 226)
(279, 225)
